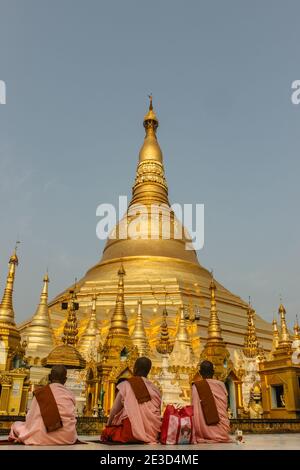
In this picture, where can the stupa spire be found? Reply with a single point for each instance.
(214, 327)
(88, 339)
(139, 337)
(7, 314)
(39, 333)
(182, 335)
(215, 348)
(284, 333)
(275, 335)
(119, 323)
(150, 185)
(149, 225)
(41, 316)
(118, 341)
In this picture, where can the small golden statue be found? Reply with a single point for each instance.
(255, 406)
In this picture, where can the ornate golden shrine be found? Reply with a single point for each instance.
(280, 377)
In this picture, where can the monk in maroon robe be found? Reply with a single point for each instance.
(135, 415)
(209, 399)
(51, 419)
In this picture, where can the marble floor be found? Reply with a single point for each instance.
(251, 442)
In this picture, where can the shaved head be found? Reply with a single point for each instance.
(142, 366)
(58, 374)
(207, 370)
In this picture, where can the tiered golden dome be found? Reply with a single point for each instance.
(156, 266)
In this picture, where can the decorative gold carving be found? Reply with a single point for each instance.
(163, 345)
(251, 342)
(5, 379)
(70, 329)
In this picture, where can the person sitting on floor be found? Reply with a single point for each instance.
(209, 399)
(51, 418)
(135, 415)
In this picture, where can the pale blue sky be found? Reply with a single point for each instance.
(78, 74)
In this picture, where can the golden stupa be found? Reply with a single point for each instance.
(161, 272)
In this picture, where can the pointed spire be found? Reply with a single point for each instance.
(214, 327)
(70, 335)
(119, 323)
(139, 337)
(163, 346)
(250, 343)
(118, 340)
(182, 352)
(41, 316)
(150, 183)
(215, 349)
(151, 149)
(275, 342)
(284, 333)
(296, 336)
(88, 339)
(7, 314)
(150, 102)
(39, 332)
(182, 335)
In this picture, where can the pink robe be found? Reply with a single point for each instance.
(144, 418)
(33, 431)
(214, 433)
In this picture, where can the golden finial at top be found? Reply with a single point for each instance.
(150, 119)
(281, 309)
(14, 258)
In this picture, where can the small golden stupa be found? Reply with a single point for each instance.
(39, 334)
